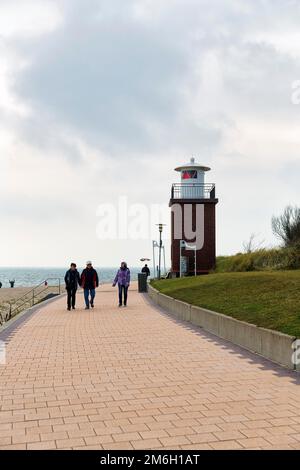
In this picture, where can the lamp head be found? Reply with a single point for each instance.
(160, 227)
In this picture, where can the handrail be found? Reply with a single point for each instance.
(193, 191)
(25, 298)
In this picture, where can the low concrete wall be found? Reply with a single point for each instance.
(166, 302)
(241, 333)
(277, 347)
(182, 310)
(153, 293)
(268, 343)
(206, 319)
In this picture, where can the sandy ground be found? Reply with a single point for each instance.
(11, 294)
(21, 301)
(7, 294)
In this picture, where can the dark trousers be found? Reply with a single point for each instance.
(121, 290)
(71, 296)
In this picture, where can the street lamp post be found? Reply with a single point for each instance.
(160, 229)
(154, 245)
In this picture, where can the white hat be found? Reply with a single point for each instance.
(88, 262)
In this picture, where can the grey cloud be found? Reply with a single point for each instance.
(118, 82)
(108, 81)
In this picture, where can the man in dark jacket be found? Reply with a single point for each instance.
(146, 270)
(89, 282)
(72, 280)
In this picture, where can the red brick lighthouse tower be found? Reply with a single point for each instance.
(193, 233)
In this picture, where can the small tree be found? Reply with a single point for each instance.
(251, 245)
(286, 227)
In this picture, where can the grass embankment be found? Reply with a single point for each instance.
(270, 299)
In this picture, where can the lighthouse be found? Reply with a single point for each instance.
(193, 227)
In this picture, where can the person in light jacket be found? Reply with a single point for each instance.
(123, 280)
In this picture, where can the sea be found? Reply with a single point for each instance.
(27, 277)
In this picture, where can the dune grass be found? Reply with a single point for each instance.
(261, 260)
(270, 299)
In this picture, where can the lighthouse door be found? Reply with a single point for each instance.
(183, 265)
(192, 263)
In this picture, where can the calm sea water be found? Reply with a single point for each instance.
(25, 277)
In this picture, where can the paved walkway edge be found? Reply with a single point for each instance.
(272, 345)
(22, 316)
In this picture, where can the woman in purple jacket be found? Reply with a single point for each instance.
(123, 280)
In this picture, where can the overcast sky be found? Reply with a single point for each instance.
(101, 99)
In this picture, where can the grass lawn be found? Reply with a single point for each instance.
(268, 299)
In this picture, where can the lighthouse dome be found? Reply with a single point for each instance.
(192, 165)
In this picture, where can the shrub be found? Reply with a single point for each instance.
(286, 227)
(260, 260)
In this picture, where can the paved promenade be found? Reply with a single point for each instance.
(135, 378)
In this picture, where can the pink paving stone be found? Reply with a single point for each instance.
(137, 378)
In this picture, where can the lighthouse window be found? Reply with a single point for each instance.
(189, 174)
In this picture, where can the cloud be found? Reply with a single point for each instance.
(129, 77)
(28, 18)
(112, 81)
(103, 98)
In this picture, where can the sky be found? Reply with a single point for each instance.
(101, 99)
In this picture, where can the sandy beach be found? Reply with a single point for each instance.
(9, 294)
(12, 295)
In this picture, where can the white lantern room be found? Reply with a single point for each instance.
(192, 185)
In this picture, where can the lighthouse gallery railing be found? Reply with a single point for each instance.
(193, 190)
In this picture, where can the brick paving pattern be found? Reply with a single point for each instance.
(135, 378)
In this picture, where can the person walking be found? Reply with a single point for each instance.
(123, 280)
(72, 280)
(89, 282)
(146, 270)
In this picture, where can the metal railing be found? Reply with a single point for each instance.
(30, 298)
(193, 191)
